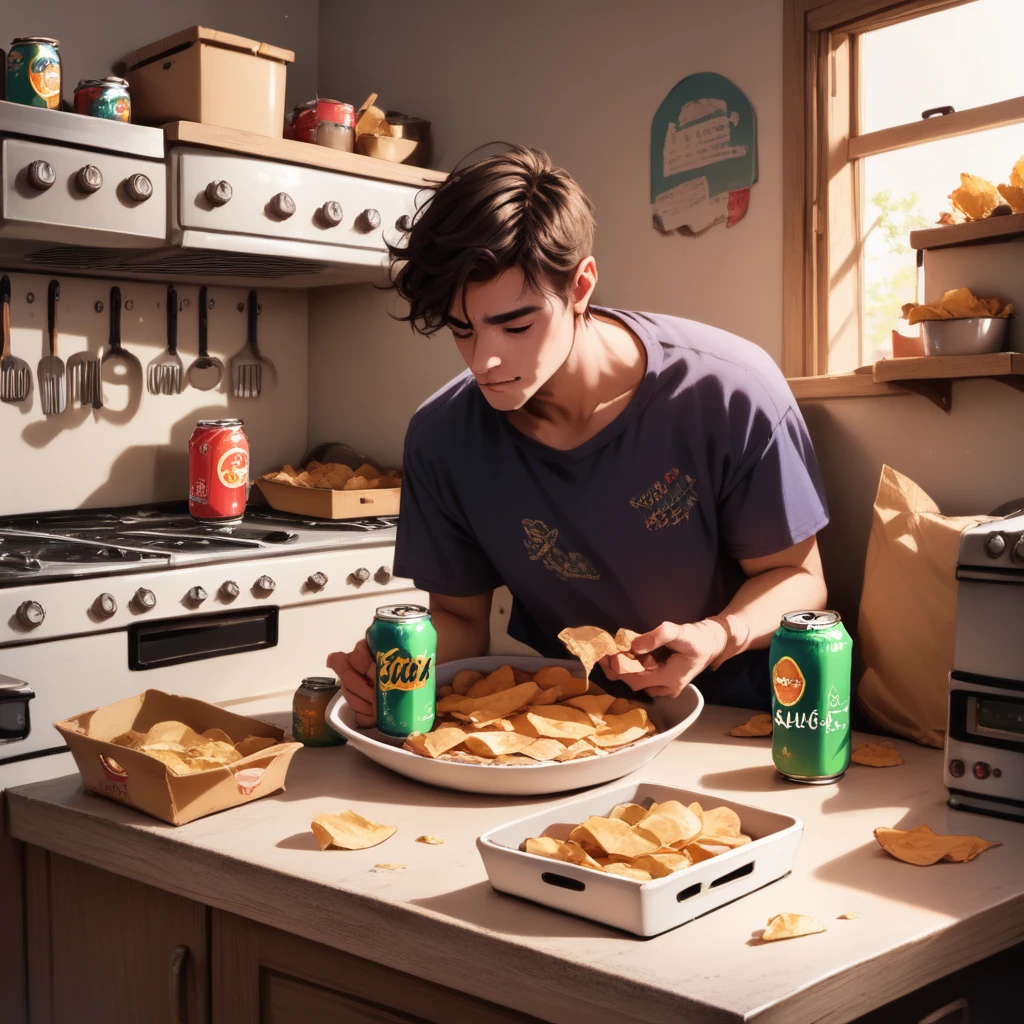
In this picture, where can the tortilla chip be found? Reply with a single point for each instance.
(581, 748)
(593, 705)
(790, 926)
(922, 846)
(561, 722)
(588, 643)
(347, 830)
(658, 865)
(464, 680)
(618, 730)
(624, 641)
(756, 725)
(877, 755)
(219, 736)
(254, 744)
(132, 738)
(168, 735)
(174, 761)
(551, 675)
(521, 675)
(433, 744)
(1014, 195)
(547, 697)
(500, 679)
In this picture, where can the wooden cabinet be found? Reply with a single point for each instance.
(262, 974)
(102, 949)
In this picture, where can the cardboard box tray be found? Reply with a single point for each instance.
(331, 504)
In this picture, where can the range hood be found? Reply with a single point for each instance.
(85, 196)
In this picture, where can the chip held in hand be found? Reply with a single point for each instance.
(347, 830)
(790, 926)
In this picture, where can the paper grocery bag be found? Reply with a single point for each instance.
(907, 615)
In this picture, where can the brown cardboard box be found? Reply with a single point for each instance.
(211, 77)
(327, 503)
(134, 778)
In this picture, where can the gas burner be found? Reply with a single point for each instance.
(21, 548)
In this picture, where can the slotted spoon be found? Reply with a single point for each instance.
(116, 353)
(247, 366)
(51, 367)
(164, 377)
(206, 371)
(15, 373)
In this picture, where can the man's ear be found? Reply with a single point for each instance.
(583, 285)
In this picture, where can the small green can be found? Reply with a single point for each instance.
(33, 72)
(810, 661)
(403, 643)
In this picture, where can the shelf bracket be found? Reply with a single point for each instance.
(938, 391)
(1013, 380)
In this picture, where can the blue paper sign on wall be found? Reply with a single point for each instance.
(703, 155)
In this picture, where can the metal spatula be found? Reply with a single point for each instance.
(51, 367)
(164, 377)
(206, 371)
(15, 373)
(247, 366)
(83, 378)
(116, 353)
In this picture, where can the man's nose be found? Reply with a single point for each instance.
(485, 361)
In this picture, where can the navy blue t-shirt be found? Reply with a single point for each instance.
(710, 462)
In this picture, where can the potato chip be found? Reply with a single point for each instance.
(1014, 195)
(132, 738)
(254, 744)
(500, 679)
(756, 725)
(171, 733)
(690, 824)
(219, 735)
(561, 722)
(667, 829)
(848, 916)
(347, 830)
(491, 744)
(877, 755)
(198, 763)
(703, 850)
(444, 691)
(619, 730)
(216, 750)
(958, 303)
(721, 821)
(620, 706)
(551, 675)
(658, 865)
(465, 679)
(611, 836)
(588, 643)
(574, 686)
(430, 840)
(624, 641)
(922, 846)
(386, 867)
(547, 697)
(174, 761)
(976, 197)
(790, 926)
(593, 704)
(557, 849)
(631, 814)
(627, 871)
(433, 744)
(521, 675)
(581, 748)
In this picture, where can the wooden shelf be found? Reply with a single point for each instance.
(992, 364)
(290, 151)
(992, 229)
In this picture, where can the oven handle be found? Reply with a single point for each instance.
(991, 575)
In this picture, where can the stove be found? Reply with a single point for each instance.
(100, 604)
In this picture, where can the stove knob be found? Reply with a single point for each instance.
(31, 614)
(956, 768)
(1018, 550)
(317, 581)
(266, 584)
(404, 223)
(138, 188)
(995, 545)
(197, 595)
(282, 205)
(229, 590)
(104, 606)
(331, 213)
(383, 575)
(371, 220)
(41, 175)
(361, 575)
(89, 179)
(145, 599)
(218, 193)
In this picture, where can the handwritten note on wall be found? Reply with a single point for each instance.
(703, 155)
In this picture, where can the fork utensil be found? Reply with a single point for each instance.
(52, 385)
(206, 371)
(247, 366)
(165, 372)
(15, 373)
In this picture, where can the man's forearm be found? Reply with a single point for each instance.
(459, 636)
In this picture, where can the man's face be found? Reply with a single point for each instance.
(512, 338)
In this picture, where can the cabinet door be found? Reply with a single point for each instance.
(263, 974)
(107, 950)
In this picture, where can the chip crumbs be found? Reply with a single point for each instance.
(430, 840)
(388, 867)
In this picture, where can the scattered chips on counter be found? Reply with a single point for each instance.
(185, 751)
(430, 840)
(957, 304)
(336, 476)
(644, 843)
(922, 846)
(790, 926)
(347, 830)
(848, 916)
(877, 755)
(756, 725)
(389, 867)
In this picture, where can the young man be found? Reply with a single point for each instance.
(611, 468)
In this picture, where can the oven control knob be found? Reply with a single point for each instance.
(229, 590)
(982, 770)
(383, 575)
(41, 175)
(138, 188)
(197, 595)
(371, 220)
(145, 599)
(361, 575)
(218, 193)
(89, 179)
(995, 545)
(282, 205)
(104, 606)
(404, 223)
(331, 213)
(317, 581)
(956, 768)
(31, 614)
(1018, 550)
(266, 584)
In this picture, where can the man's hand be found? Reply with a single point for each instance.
(669, 657)
(356, 672)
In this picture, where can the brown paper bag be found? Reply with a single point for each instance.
(907, 615)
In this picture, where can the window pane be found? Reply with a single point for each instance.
(964, 57)
(905, 190)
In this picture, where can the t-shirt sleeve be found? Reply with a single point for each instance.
(776, 498)
(435, 547)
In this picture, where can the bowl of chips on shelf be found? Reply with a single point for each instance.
(961, 324)
(520, 726)
(333, 490)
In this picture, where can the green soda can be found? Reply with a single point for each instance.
(403, 643)
(810, 664)
(33, 72)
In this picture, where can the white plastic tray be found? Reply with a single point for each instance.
(672, 717)
(643, 908)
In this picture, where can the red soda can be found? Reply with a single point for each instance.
(218, 470)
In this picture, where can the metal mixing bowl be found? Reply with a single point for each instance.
(968, 337)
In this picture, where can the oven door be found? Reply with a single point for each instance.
(989, 617)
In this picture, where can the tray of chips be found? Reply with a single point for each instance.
(641, 857)
(476, 763)
(333, 490)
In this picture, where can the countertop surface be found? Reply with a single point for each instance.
(441, 920)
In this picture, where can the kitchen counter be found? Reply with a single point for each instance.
(440, 919)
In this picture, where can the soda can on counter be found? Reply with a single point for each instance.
(33, 72)
(104, 97)
(218, 470)
(403, 643)
(810, 661)
(309, 712)
(339, 119)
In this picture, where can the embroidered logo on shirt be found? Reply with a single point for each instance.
(667, 502)
(566, 565)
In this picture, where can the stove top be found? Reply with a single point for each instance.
(91, 542)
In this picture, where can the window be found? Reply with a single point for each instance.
(863, 167)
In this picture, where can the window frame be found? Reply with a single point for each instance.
(822, 173)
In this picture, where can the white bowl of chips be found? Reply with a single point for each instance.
(475, 774)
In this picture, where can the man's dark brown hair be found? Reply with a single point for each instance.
(510, 210)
